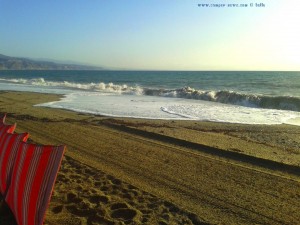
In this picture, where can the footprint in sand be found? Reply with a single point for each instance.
(62, 178)
(122, 211)
(116, 182)
(99, 219)
(82, 209)
(57, 209)
(104, 189)
(72, 197)
(97, 199)
(98, 183)
(75, 176)
(124, 214)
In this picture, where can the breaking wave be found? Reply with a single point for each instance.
(231, 97)
(222, 96)
(110, 87)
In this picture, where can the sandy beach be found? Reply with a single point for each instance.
(137, 171)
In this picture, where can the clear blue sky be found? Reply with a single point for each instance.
(155, 35)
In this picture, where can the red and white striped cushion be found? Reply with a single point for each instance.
(9, 144)
(7, 129)
(32, 181)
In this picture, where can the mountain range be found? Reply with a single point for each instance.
(17, 63)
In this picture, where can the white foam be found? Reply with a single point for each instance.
(113, 105)
(231, 114)
(153, 107)
(293, 121)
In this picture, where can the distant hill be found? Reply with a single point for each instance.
(14, 63)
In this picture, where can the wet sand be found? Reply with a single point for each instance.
(134, 171)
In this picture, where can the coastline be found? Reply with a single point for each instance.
(138, 171)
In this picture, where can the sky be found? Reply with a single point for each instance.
(154, 35)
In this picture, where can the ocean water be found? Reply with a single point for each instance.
(234, 97)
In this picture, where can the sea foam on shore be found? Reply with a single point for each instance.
(153, 107)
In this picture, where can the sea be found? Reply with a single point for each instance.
(217, 96)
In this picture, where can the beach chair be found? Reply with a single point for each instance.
(32, 181)
(9, 144)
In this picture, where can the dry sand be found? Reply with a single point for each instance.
(133, 171)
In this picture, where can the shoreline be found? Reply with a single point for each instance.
(139, 171)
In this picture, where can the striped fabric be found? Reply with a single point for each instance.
(32, 181)
(9, 144)
(6, 129)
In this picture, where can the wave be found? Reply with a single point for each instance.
(109, 87)
(222, 96)
(231, 97)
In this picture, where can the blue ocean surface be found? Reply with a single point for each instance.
(235, 97)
